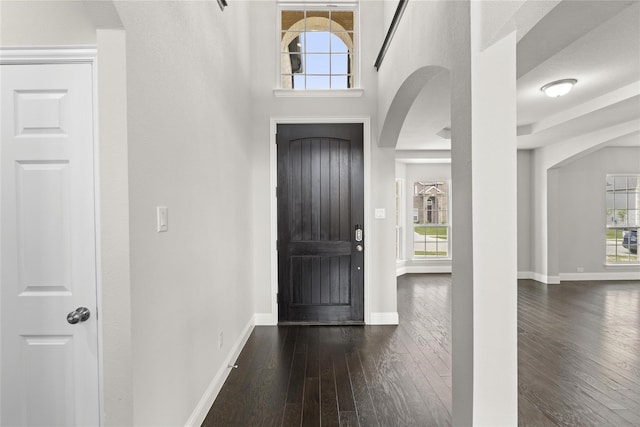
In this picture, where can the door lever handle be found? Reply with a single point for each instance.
(81, 314)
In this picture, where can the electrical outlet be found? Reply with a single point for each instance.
(220, 339)
(580, 269)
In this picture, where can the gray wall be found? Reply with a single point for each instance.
(413, 172)
(581, 212)
(45, 23)
(524, 210)
(189, 150)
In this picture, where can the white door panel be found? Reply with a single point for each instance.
(48, 252)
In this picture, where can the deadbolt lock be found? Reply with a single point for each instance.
(358, 233)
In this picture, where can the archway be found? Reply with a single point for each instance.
(423, 83)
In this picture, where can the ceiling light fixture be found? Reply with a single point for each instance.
(558, 88)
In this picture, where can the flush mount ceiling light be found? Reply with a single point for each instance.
(558, 88)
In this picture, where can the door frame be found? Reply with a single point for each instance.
(273, 217)
(75, 55)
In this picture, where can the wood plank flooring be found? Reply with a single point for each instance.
(579, 363)
(579, 354)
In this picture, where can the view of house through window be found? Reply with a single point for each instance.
(623, 218)
(316, 49)
(431, 219)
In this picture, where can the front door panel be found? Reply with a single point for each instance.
(320, 207)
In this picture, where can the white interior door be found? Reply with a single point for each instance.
(48, 252)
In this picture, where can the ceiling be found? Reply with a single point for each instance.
(595, 42)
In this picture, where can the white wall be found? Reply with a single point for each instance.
(189, 150)
(427, 31)
(198, 110)
(582, 212)
(401, 174)
(265, 106)
(45, 23)
(59, 23)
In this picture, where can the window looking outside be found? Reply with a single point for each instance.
(623, 218)
(431, 219)
(316, 49)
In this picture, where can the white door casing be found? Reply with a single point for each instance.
(50, 370)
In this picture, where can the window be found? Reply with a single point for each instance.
(316, 49)
(623, 218)
(431, 229)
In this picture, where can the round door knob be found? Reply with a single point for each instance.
(81, 314)
(359, 248)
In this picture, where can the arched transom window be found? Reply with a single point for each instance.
(317, 49)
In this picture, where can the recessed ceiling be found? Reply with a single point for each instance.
(595, 42)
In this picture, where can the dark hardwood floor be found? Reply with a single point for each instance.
(579, 354)
(579, 363)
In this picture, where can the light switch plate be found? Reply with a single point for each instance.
(163, 218)
(380, 213)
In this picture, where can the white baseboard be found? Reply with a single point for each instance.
(265, 319)
(609, 275)
(567, 277)
(388, 318)
(401, 268)
(202, 409)
(549, 280)
(525, 275)
(408, 269)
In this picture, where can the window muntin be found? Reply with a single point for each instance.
(317, 49)
(622, 194)
(431, 230)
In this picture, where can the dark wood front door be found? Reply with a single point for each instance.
(320, 208)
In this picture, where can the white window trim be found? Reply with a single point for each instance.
(618, 264)
(318, 93)
(449, 226)
(356, 90)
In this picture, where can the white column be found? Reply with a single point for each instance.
(539, 235)
(484, 162)
(553, 227)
